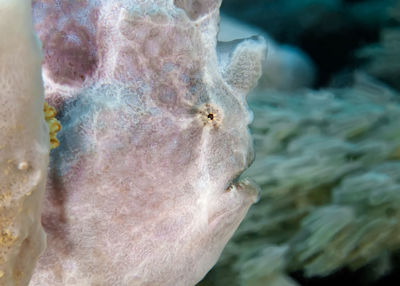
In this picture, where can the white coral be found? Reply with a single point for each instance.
(24, 144)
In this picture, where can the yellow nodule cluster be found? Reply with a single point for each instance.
(53, 123)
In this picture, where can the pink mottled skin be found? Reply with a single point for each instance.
(141, 189)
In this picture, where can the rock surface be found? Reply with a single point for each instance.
(24, 144)
(143, 189)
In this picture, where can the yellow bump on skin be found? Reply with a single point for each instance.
(53, 124)
(49, 111)
(210, 115)
(54, 143)
(1, 273)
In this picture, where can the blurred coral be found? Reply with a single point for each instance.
(384, 57)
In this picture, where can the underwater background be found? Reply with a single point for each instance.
(327, 138)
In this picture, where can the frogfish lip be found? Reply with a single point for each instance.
(246, 186)
(237, 198)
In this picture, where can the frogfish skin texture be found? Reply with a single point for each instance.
(143, 187)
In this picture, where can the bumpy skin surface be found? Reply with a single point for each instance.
(24, 144)
(141, 187)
